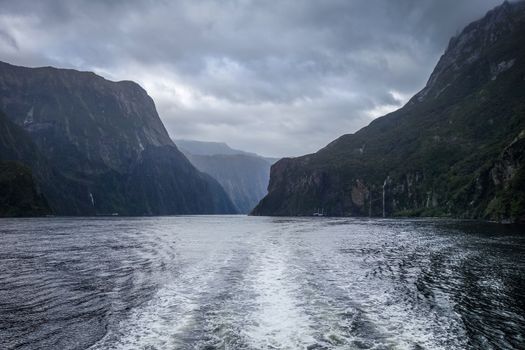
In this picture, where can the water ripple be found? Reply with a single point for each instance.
(260, 283)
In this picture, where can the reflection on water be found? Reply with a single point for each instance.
(234, 282)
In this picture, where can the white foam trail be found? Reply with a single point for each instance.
(278, 321)
(400, 323)
(159, 323)
(295, 289)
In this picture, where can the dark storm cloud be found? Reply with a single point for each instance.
(276, 77)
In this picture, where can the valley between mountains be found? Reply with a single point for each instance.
(74, 143)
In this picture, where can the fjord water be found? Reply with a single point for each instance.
(235, 282)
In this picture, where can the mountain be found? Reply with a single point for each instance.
(205, 148)
(99, 147)
(19, 194)
(202, 148)
(455, 149)
(19, 155)
(243, 175)
(244, 178)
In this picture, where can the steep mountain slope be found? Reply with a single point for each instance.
(455, 149)
(19, 195)
(16, 146)
(244, 178)
(243, 175)
(100, 137)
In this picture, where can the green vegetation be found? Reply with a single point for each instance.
(18, 193)
(97, 147)
(453, 150)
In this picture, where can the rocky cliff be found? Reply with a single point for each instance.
(19, 195)
(455, 149)
(96, 140)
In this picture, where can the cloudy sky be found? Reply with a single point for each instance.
(277, 77)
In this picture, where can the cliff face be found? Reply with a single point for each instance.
(455, 149)
(80, 118)
(95, 140)
(19, 194)
(244, 176)
(190, 185)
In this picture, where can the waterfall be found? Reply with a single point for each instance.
(384, 195)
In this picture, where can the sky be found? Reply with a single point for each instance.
(275, 77)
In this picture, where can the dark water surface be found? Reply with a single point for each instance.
(236, 282)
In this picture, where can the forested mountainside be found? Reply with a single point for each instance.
(98, 147)
(455, 149)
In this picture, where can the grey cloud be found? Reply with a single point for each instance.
(276, 77)
(8, 40)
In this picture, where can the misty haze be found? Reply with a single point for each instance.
(262, 175)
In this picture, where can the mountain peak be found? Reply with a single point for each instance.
(473, 43)
(453, 150)
(103, 147)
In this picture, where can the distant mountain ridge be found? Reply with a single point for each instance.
(243, 175)
(455, 149)
(101, 147)
(207, 148)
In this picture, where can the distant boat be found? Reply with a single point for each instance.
(318, 213)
